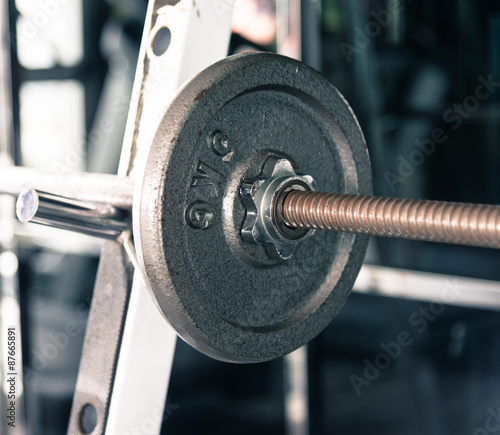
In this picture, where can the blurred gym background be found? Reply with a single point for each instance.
(411, 71)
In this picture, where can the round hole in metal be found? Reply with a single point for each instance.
(88, 418)
(161, 41)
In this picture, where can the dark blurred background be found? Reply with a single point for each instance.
(411, 71)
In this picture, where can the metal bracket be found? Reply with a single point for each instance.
(125, 328)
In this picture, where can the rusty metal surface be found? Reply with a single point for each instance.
(434, 221)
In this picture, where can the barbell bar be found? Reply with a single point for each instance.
(224, 206)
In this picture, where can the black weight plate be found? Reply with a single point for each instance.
(226, 298)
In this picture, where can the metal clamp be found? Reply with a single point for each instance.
(264, 200)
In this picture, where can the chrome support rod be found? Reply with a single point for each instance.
(93, 219)
(104, 188)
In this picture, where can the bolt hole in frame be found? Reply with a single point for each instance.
(88, 418)
(368, 285)
(161, 41)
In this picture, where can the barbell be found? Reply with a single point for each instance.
(227, 211)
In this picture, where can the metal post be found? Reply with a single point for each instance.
(200, 34)
(93, 219)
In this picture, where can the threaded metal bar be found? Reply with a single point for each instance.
(434, 221)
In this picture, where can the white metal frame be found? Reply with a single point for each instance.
(200, 33)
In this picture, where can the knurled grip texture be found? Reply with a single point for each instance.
(102, 338)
